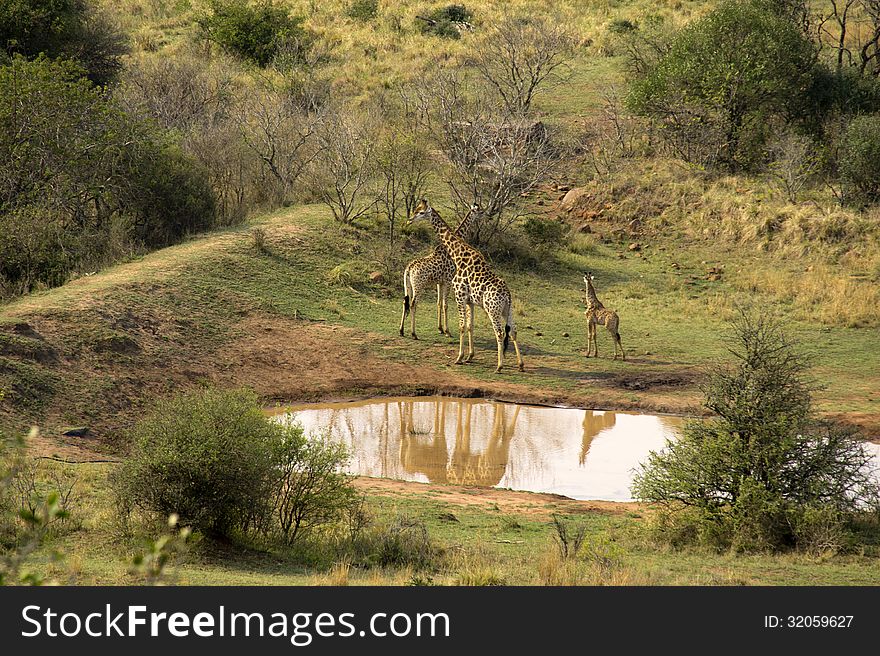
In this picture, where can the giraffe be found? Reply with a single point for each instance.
(598, 314)
(474, 283)
(435, 269)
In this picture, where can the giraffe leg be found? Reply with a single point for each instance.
(446, 311)
(412, 317)
(512, 328)
(440, 289)
(407, 292)
(462, 325)
(498, 329)
(470, 355)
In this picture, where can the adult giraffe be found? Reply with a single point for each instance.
(474, 283)
(436, 269)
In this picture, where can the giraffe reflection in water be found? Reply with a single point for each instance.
(465, 464)
(584, 454)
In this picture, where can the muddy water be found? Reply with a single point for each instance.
(582, 454)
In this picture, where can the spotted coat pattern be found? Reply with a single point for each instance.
(474, 284)
(598, 314)
(434, 270)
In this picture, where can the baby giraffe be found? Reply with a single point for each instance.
(597, 313)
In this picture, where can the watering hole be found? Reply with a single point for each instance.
(581, 454)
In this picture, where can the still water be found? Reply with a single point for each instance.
(582, 454)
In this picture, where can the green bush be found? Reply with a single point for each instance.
(84, 182)
(724, 80)
(63, 28)
(214, 458)
(859, 160)
(764, 474)
(254, 32)
(207, 456)
(544, 232)
(442, 21)
(363, 10)
(310, 489)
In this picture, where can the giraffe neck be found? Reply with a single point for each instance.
(465, 224)
(444, 233)
(593, 301)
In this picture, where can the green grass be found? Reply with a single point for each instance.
(480, 544)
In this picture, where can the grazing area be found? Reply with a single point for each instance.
(213, 209)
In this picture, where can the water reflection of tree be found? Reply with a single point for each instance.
(594, 423)
(464, 466)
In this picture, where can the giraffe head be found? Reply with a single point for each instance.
(588, 277)
(422, 211)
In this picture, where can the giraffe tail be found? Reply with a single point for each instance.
(506, 337)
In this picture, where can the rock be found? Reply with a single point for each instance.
(674, 265)
(530, 327)
(563, 188)
(635, 246)
(648, 353)
(80, 431)
(539, 333)
(448, 517)
(565, 334)
(377, 277)
(585, 229)
(621, 256)
(539, 202)
(571, 197)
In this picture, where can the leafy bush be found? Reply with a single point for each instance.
(254, 32)
(764, 474)
(442, 22)
(723, 80)
(214, 459)
(85, 182)
(544, 232)
(63, 28)
(363, 10)
(311, 490)
(859, 160)
(206, 456)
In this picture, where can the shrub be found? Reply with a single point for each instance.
(443, 21)
(859, 160)
(206, 456)
(764, 474)
(310, 488)
(252, 32)
(544, 232)
(723, 80)
(63, 28)
(85, 181)
(363, 10)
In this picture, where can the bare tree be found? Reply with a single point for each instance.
(344, 167)
(495, 156)
(280, 126)
(795, 163)
(519, 58)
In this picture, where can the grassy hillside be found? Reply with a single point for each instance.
(299, 307)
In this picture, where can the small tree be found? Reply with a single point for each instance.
(764, 473)
(254, 32)
(794, 162)
(520, 58)
(859, 160)
(310, 490)
(722, 80)
(345, 165)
